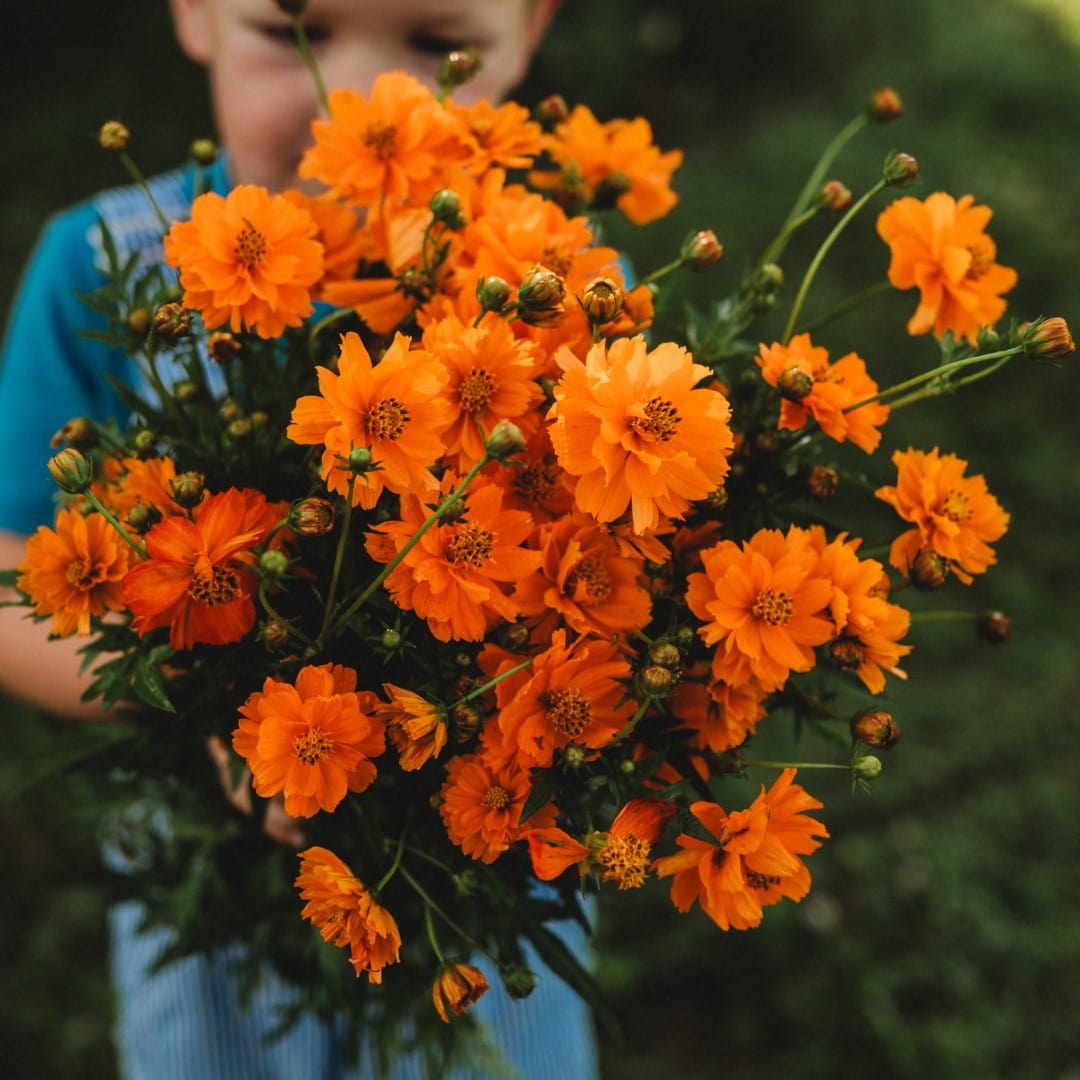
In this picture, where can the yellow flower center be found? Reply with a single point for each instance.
(218, 585)
(568, 711)
(955, 506)
(593, 577)
(470, 545)
(476, 391)
(773, 607)
(659, 420)
(496, 798)
(624, 860)
(535, 483)
(387, 419)
(381, 138)
(982, 257)
(81, 576)
(312, 746)
(250, 247)
(759, 881)
(557, 260)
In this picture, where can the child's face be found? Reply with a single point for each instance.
(265, 99)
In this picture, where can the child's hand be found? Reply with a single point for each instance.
(276, 823)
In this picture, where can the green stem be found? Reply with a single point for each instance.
(264, 602)
(935, 390)
(779, 242)
(394, 867)
(760, 763)
(664, 270)
(96, 503)
(433, 907)
(135, 173)
(817, 174)
(632, 722)
(429, 924)
(339, 558)
(819, 258)
(304, 48)
(848, 305)
(492, 682)
(942, 616)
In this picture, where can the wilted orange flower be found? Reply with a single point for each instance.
(457, 986)
(415, 726)
(199, 579)
(393, 409)
(831, 389)
(492, 378)
(346, 913)
(630, 425)
(939, 245)
(954, 515)
(616, 160)
(571, 694)
(584, 581)
(393, 145)
(752, 862)
(502, 135)
(313, 739)
(249, 259)
(458, 575)
(74, 573)
(763, 606)
(719, 716)
(481, 806)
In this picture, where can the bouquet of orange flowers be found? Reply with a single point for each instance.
(491, 588)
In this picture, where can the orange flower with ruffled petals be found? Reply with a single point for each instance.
(129, 481)
(394, 145)
(456, 987)
(199, 580)
(502, 135)
(482, 803)
(249, 259)
(939, 245)
(833, 389)
(954, 515)
(312, 740)
(753, 860)
(458, 575)
(74, 572)
(629, 423)
(720, 717)
(763, 605)
(394, 409)
(346, 913)
(415, 726)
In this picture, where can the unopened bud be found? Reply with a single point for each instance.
(222, 347)
(203, 152)
(142, 517)
(701, 249)
(113, 136)
(273, 563)
(230, 410)
(359, 459)
(505, 440)
(138, 320)
(275, 635)
(900, 170)
(575, 756)
(390, 638)
(666, 654)
(458, 68)
(172, 321)
(1049, 338)
(445, 205)
(834, 196)
(313, 516)
(885, 105)
(515, 636)
(993, 626)
(540, 289)
(493, 293)
(519, 981)
(794, 384)
(718, 498)
(454, 509)
(767, 279)
(80, 433)
(822, 482)
(657, 680)
(187, 390)
(929, 570)
(848, 653)
(551, 111)
(875, 727)
(465, 721)
(188, 489)
(866, 767)
(602, 300)
(144, 444)
(71, 471)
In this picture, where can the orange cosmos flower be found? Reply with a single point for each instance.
(129, 481)
(481, 806)
(492, 378)
(393, 409)
(415, 726)
(614, 161)
(869, 627)
(343, 239)
(312, 740)
(393, 146)
(630, 425)
(457, 576)
(502, 135)
(572, 694)
(248, 260)
(457, 986)
(346, 913)
(763, 606)
(199, 579)
(823, 391)
(954, 515)
(536, 483)
(753, 860)
(939, 245)
(585, 581)
(74, 573)
(720, 717)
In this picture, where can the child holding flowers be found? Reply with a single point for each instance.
(187, 1019)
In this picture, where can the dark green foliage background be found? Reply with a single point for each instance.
(942, 936)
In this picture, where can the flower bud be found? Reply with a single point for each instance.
(822, 482)
(144, 444)
(493, 293)
(602, 300)
(519, 981)
(657, 681)
(505, 440)
(847, 653)
(188, 489)
(877, 728)
(259, 419)
(113, 136)
(203, 152)
(80, 432)
(172, 321)
(445, 205)
(794, 384)
(222, 347)
(313, 516)
(718, 498)
(273, 564)
(458, 68)
(993, 626)
(359, 459)
(666, 654)
(1049, 338)
(866, 767)
(551, 111)
(900, 169)
(767, 279)
(187, 390)
(929, 570)
(514, 636)
(275, 634)
(465, 721)
(540, 289)
(390, 638)
(834, 196)
(138, 320)
(71, 471)
(885, 105)
(142, 517)
(240, 429)
(700, 250)
(574, 755)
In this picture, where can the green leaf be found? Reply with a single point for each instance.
(542, 790)
(148, 684)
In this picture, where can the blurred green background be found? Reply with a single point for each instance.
(942, 935)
